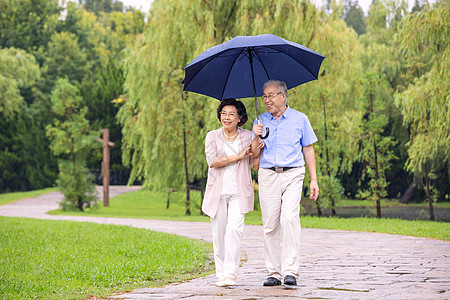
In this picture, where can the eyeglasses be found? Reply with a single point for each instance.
(270, 97)
(224, 114)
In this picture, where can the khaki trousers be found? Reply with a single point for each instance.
(280, 196)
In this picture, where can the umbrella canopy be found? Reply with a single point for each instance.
(239, 67)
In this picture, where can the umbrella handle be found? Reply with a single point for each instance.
(266, 135)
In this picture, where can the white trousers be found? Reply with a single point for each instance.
(227, 227)
(280, 196)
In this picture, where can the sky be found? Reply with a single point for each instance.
(144, 5)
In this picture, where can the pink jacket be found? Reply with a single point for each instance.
(214, 147)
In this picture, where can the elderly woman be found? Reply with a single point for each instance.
(229, 192)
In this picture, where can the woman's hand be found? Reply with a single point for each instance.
(224, 161)
(245, 153)
(260, 144)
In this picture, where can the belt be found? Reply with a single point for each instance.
(280, 169)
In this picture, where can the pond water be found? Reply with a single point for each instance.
(400, 212)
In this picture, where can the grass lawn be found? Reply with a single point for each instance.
(6, 198)
(428, 229)
(386, 203)
(152, 205)
(43, 259)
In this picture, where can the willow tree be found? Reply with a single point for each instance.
(425, 103)
(176, 33)
(333, 105)
(376, 148)
(24, 161)
(163, 129)
(332, 102)
(380, 79)
(18, 69)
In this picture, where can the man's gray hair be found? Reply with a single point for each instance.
(281, 86)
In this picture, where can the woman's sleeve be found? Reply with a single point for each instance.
(210, 148)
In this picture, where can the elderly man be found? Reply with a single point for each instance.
(280, 176)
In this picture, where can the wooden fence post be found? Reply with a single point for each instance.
(105, 165)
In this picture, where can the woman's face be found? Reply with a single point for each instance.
(229, 117)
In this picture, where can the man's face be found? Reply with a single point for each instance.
(274, 100)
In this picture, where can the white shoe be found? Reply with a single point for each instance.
(226, 282)
(229, 281)
(221, 283)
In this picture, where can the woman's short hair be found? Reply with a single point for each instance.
(240, 107)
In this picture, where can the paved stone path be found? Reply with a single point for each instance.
(335, 264)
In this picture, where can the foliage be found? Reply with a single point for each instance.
(17, 69)
(105, 36)
(85, 41)
(24, 162)
(354, 17)
(161, 98)
(46, 259)
(75, 182)
(144, 204)
(332, 104)
(99, 6)
(103, 104)
(330, 188)
(64, 59)
(102, 39)
(72, 140)
(152, 116)
(27, 24)
(425, 103)
(66, 41)
(375, 148)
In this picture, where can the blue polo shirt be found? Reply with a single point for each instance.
(287, 137)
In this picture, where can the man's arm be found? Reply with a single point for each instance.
(310, 160)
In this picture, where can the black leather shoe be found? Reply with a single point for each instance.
(290, 280)
(271, 281)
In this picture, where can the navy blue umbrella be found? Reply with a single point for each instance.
(239, 67)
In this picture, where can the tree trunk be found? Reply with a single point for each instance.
(333, 205)
(79, 200)
(202, 190)
(377, 176)
(105, 166)
(168, 200)
(430, 201)
(188, 189)
(407, 195)
(319, 210)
